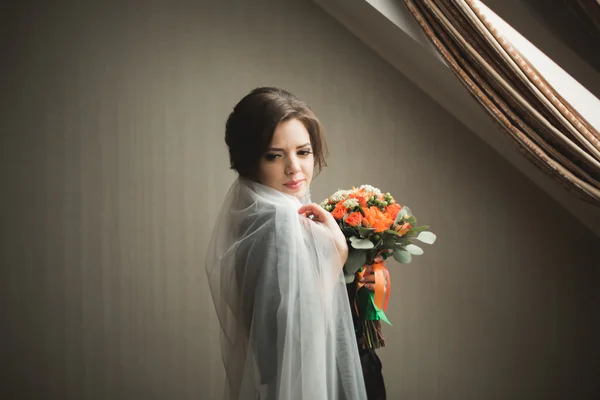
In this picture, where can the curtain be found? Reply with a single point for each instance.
(542, 124)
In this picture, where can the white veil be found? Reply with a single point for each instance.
(278, 289)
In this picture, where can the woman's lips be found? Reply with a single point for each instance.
(294, 185)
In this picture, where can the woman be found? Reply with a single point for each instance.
(275, 262)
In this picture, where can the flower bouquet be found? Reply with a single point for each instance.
(375, 226)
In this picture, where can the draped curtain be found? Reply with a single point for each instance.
(542, 124)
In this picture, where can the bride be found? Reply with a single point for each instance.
(275, 261)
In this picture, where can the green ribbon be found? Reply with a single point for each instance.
(367, 310)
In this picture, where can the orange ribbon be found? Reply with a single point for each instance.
(382, 296)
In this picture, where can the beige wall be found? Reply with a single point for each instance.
(114, 168)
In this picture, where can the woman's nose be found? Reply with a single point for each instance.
(293, 166)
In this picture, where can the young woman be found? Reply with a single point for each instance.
(275, 262)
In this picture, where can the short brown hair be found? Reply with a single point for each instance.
(252, 123)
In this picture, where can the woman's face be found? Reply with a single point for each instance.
(288, 164)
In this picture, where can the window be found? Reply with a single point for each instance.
(573, 92)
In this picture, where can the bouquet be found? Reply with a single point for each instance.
(375, 226)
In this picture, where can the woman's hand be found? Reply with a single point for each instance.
(325, 218)
(369, 278)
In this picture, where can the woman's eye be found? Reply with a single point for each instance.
(304, 152)
(271, 157)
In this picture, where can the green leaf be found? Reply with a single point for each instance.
(411, 220)
(399, 216)
(364, 232)
(389, 242)
(356, 260)
(401, 242)
(347, 230)
(404, 215)
(402, 256)
(426, 237)
(414, 249)
(363, 244)
(391, 232)
(417, 229)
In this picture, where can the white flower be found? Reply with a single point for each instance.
(351, 203)
(339, 196)
(370, 189)
(324, 202)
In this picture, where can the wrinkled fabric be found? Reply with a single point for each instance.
(277, 286)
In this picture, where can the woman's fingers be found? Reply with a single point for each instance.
(303, 209)
(369, 279)
(308, 209)
(318, 213)
(381, 257)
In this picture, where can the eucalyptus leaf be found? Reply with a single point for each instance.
(400, 215)
(356, 260)
(401, 242)
(404, 212)
(402, 256)
(414, 249)
(426, 237)
(364, 244)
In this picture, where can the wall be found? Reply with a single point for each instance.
(114, 166)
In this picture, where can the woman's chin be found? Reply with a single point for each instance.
(300, 195)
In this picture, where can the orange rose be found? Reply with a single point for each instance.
(354, 219)
(377, 219)
(379, 226)
(365, 223)
(371, 214)
(392, 210)
(339, 211)
(403, 229)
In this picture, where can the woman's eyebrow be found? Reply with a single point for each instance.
(299, 147)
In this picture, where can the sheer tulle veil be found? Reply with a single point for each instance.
(276, 281)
